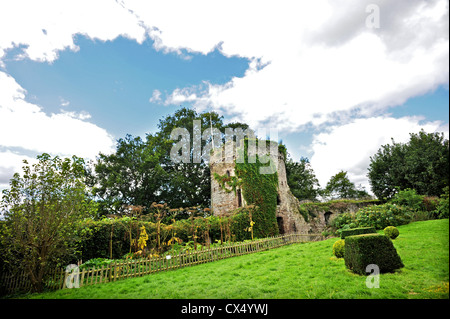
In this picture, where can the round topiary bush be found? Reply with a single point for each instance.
(339, 248)
(391, 231)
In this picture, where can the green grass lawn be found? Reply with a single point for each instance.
(298, 271)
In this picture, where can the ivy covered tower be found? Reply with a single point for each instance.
(237, 183)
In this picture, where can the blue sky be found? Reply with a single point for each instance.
(334, 86)
(433, 105)
(114, 81)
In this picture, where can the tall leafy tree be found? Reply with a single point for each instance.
(133, 175)
(301, 179)
(188, 183)
(421, 164)
(340, 187)
(42, 208)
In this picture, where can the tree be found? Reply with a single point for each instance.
(41, 209)
(340, 187)
(189, 184)
(421, 164)
(301, 179)
(133, 175)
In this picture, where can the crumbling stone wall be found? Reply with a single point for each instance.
(222, 161)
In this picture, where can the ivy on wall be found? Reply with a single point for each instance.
(258, 189)
(233, 181)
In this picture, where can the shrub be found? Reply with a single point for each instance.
(442, 208)
(339, 248)
(382, 216)
(96, 262)
(409, 198)
(392, 232)
(342, 220)
(363, 250)
(430, 203)
(357, 231)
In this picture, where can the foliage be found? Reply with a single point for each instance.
(422, 207)
(301, 179)
(357, 231)
(343, 221)
(96, 262)
(382, 216)
(377, 216)
(260, 190)
(443, 206)
(421, 164)
(143, 237)
(242, 224)
(431, 203)
(339, 204)
(392, 232)
(363, 250)
(133, 175)
(339, 186)
(232, 181)
(189, 184)
(114, 238)
(408, 198)
(42, 210)
(339, 248)
(305, 212)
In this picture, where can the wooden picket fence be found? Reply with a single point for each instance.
(61, 279)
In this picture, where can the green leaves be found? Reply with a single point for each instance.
(340, 187)
(132, 175)
(421, 164)
(260, 190)
(41, 209)
(301, 179)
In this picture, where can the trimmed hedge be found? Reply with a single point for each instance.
(357, 231)
(363, 250)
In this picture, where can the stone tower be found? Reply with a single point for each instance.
(222, 162)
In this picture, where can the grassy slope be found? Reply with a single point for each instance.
(298, 271)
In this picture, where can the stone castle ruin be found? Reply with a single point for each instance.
(222, 162)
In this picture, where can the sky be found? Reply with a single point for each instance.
(336, 79)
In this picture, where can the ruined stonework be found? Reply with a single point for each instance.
(222, 162)
(322, 217)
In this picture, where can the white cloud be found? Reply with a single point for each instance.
(321, 58)
(64, 103)
(25, 125)
(46, 27)
(349, 147)
(40, 29)
(11, 163)
(156, 97)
